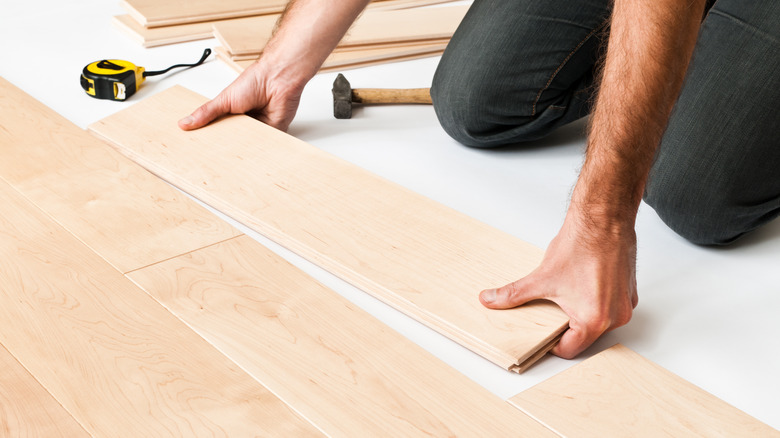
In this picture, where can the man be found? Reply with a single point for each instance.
(684, 113)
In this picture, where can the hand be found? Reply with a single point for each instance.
(271, 98)
(590, 274)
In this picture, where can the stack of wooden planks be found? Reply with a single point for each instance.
(377, 36)
(389, 30)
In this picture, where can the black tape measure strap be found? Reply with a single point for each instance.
(206, 54)
(115, 79)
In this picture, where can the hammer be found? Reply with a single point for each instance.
(344, 96)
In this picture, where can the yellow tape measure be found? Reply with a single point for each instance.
(115, 79)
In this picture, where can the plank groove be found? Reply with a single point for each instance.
(56, 165)
(419, 256)
(119, 362)
(342, 369)
(26, 409)
(619, 393)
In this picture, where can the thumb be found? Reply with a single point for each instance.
(512, 295)
(575, 340)
(204, 115)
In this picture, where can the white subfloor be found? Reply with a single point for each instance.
(708, 315)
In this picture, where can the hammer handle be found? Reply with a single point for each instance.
(390, 95)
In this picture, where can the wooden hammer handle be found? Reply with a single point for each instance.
(390, 95)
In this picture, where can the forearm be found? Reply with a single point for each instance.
(306, 34)
(649, 48)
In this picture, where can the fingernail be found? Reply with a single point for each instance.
(489, 295)
(187, 120)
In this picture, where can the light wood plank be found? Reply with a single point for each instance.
(249, 35)
(119, 362)
(362, 55)
(155, 13)
(619, 393)
(240, 66)
(425, 259)
(338, 366)
(163, 35)
(160, 36)
(26, 409)
(151, 13)
(129, 217)
(229, 34)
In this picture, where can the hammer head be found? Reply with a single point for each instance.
(342, 98)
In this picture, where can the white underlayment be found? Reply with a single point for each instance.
(707, 315)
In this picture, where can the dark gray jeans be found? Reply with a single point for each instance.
(517, 69)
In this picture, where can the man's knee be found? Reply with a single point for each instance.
(466, 105)
(703, 213)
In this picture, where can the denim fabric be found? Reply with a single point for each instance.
(717, 169)
(516, 70)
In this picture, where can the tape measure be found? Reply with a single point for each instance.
(115, 79)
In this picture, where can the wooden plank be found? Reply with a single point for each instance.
(163, 35)
(390, 5)
(368, 54)
(338, 366)
(400, 44)
(619, 393)
(151, 13)
(154, 13)
(26, 409)
(240, 66)
(55, 165)
(358, 54)
(109, 353)
(249, 35)
(228, 34)
(423, 258)
(160, 36)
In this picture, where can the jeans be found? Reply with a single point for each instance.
(517, 69)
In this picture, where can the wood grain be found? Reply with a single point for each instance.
(249, 35)
(338, 366)
(423, 258)
(619, 393)
(114, 357)
(26, 409)
(128, 217)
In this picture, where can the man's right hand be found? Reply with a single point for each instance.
(257, 92)
(270, 89)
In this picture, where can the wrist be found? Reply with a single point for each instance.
(282, 75)
(600, 223)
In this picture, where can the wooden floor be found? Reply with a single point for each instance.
(131, 311)
(419, 256)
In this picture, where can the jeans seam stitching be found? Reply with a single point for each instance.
(557, 70)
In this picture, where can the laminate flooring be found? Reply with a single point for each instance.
(111, 355)
(214, 341)
(425, 259)
(619, 393)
